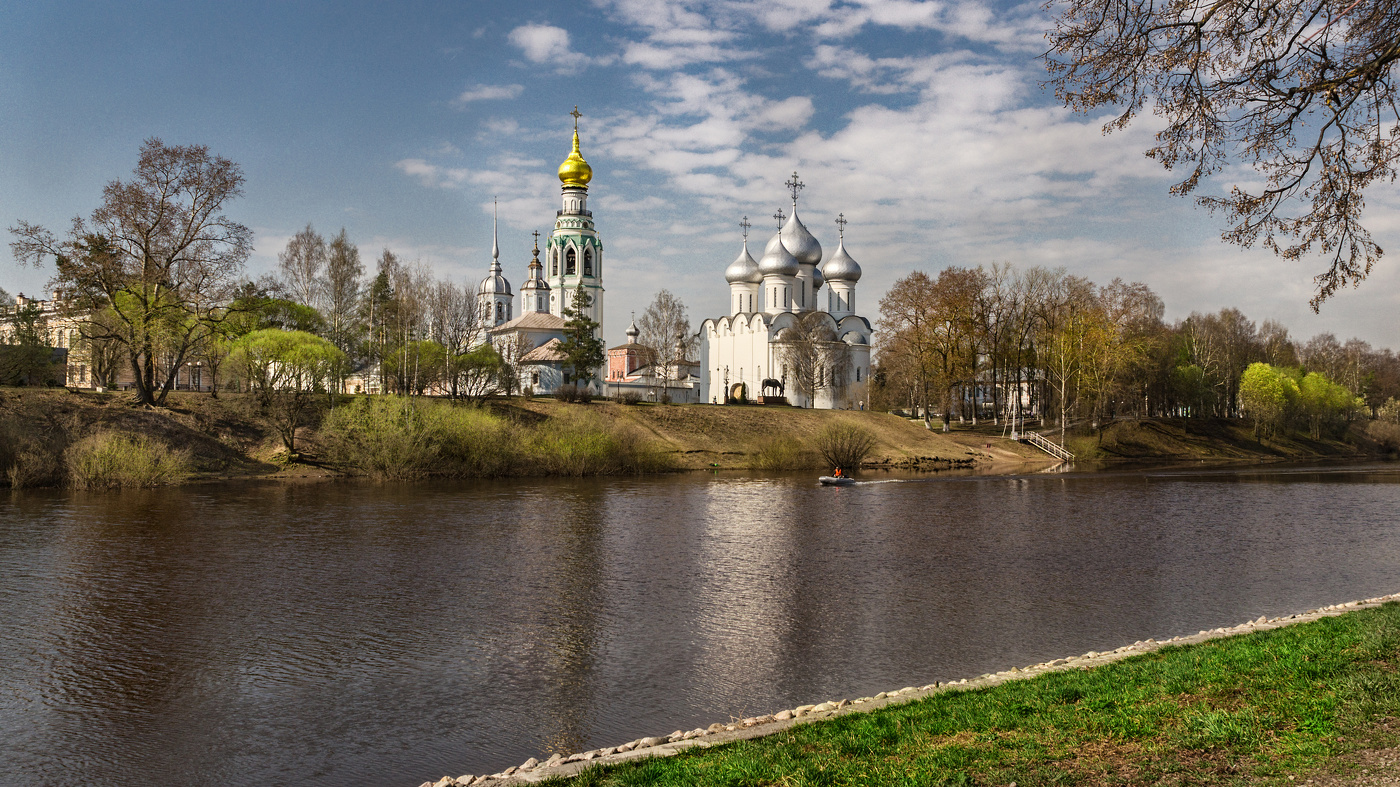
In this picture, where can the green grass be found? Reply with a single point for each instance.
(1261, 706)
(111, 460)
(394, 438)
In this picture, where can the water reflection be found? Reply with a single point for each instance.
(348, 634)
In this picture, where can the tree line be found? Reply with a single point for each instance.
(994, 342)
(154, 280)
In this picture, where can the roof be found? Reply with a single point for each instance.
(533, 321)
(549, 351)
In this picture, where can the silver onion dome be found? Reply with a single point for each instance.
(800, 242)
(777, 260)
(494, 284)
(841, 267)
(743, 269)
(817, 280)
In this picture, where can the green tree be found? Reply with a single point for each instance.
(582, 349)
(1267, 396)
(286, 370)
(158, 252)
(27, 358)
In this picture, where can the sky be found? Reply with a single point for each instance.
(925, 123)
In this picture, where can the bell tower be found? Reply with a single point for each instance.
(573, 253)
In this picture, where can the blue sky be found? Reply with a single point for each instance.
(923, 122)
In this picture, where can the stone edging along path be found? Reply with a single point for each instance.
(534, 770)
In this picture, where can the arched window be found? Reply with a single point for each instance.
(857, 374)
(500, 311)
(587, 262)
(570, 262)
(554, 268)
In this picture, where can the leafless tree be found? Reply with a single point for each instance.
(1303, 91)
(300, 267)
(812, 357)
(342, 291)
(159, 252)
(456, 325)
(666, 339)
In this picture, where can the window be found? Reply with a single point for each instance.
(570, 262)
(500, 311)
(857, 374)
(587, 262)
(554, 267)
(534, 378)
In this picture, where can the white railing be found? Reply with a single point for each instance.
(1053, 449)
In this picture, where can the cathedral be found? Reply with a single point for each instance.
(573, 264)
(779, 343)
(792, 335)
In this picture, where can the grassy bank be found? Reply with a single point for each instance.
(394, 438)
(1260, 708)
(1212, 439)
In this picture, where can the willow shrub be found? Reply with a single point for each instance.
(110, 460)
(394, 438)
(782, 453)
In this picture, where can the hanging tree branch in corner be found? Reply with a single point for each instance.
(1303, 91)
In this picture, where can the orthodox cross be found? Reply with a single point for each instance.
(840, 225)
(537, 243)
(745, 225)
(780, 216)
(577, 114)
(794, 186)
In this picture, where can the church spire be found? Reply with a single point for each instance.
(495, 243)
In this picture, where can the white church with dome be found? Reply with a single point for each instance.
(792, 334)
(779, 320)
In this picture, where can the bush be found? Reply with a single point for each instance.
(394, 438)
(109, 460)
(782, 453)
(578, 394)
(844, 444)
(629, 398)
(1385, 433)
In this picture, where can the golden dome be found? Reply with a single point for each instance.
(575, 171)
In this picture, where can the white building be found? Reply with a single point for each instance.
(754, 352)
(573, 265)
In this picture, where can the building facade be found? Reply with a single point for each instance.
(784, 340)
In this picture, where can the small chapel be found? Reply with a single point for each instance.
(782, 342)
(573, 264)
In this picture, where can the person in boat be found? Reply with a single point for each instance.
(837, 473)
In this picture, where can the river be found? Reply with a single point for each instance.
(355, 634)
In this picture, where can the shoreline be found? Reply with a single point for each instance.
(566, 766)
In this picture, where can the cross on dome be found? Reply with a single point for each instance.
(794, 185)
(745, 225)
(577, 114)
(841, 225)
(780, 216)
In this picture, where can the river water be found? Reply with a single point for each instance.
(354, 634)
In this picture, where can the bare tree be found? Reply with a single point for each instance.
(342, 291)
(456, 325)
(301, 265)
(1301, 90)
(666, 339)
(812, 356)
(158, 252)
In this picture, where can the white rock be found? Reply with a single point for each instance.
(629, 746)
(647, 743)
(445, 781)
(824, 707)
(783, 715)
(881, 695)
(529, 764)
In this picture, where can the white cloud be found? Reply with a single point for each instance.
(489, 92)
(547, 44)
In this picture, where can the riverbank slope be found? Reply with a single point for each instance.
(226, 439)
(1270, 701)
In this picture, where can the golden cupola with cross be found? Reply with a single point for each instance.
(575, 172)
(574, 252)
